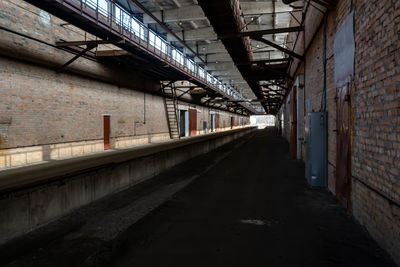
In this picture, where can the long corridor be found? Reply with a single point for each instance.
(254, 208)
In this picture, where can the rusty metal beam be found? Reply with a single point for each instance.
(262, 61)
(91, 42)
(326, 4)
(88, 48)
(111, 53)
(184, 93)
(271, 90)
(287, 51)
(260, 33)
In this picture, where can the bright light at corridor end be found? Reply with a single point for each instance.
(262, 121)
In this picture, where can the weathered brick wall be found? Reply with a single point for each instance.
(47, 114)
(376, 103)
(375, 187)
(45, 29)
(45, 107)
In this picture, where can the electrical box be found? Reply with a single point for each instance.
(316, 149)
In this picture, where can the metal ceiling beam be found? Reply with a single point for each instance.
(263, 61)
(111, 53)
(91, 42)
(260, 33)
(220, 66)
(327, 4)
(212, 47)
(87, 49)
(194, 12)
(225, 72)
(187, 13)
(287, 51)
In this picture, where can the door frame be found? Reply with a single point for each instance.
(212, 124)
(106, 141)
(293, 122)
(192, 121)
(343, 142)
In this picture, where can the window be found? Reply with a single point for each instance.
(125, 20)
(104, 7)
(91, 4)
(190, 64)
(135, 27)
(158, 42)
(209, 78)
(164, 47)
(117, 15)
(201, 72)
(177, 56)
(152, 38)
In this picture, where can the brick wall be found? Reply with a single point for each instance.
(375, 188)
(50, 115)
(45, 107)
(376, 103)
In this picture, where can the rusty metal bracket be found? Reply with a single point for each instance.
(88, 48)
(287, 51)
(259, 34)
(90, 42)
(184, 93)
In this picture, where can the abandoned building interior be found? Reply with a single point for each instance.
(199, 133)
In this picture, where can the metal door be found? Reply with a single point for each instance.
(212, 122)
(182, 123)
(106, 127)
(293, 123)
(216, 122)
(343, 143)
(204, 127)
(193, 121)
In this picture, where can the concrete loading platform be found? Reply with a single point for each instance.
(245, 204)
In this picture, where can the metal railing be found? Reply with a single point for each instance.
(114, 17)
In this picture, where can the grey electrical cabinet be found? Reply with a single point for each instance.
(316, 148)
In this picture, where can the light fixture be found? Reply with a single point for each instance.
(216, 62)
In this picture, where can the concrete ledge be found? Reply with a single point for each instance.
(22, 177)
(32, 196)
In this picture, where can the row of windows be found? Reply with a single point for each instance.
(121, 17)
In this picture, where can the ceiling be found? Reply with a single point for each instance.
(189, 23)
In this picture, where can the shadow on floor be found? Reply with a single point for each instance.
(253, 207)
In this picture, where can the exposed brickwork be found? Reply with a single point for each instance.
(376, 102)
(376, 106)
(49, 115)
(47, 108)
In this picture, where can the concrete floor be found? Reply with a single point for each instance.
(250, 206)
(252, 209)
